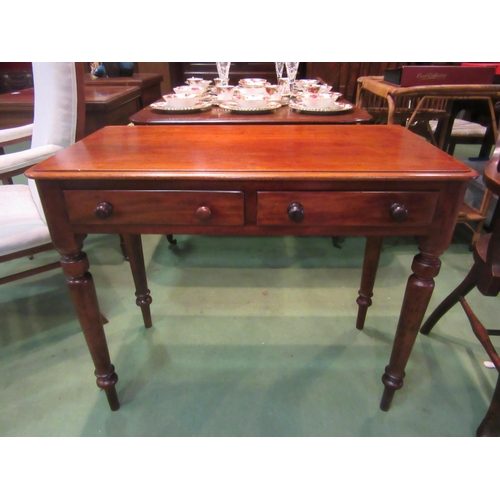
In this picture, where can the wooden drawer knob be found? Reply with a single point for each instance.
(296, 212)
(398, 212)
(103, 210)
(203, 214)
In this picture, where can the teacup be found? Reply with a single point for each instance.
(284, 85)
(250, 100)
(198, 82)
(273, 91)
(252, 82)
(224, 92)
(315, 89)
(305, 84)
(255, 90)
(320, 101)
(194, 80)
(189, 89)
(181, 100)
(252, 86)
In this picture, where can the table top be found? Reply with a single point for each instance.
(216, 115)
(254, 152)
(20, 100)
(104, 97)
(138, 79)
(95, 97)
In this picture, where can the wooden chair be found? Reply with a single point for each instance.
(485, 276)
(417, 107)
(58, 122)
(463, 132)
(391, 104)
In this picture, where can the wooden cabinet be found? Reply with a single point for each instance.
(104, 105)
(148, 83)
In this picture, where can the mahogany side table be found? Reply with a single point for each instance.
(245, 180)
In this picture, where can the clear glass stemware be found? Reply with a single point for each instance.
(291, 71)
(223, 71)
(279, 70)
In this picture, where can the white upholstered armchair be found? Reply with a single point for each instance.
(59, 116)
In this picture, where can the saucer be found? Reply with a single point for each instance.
(164, 107)
(231, 106)
(337, 108)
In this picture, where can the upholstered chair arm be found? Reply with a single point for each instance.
(26, 158)
(15, 134)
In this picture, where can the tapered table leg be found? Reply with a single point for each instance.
(418, 293)
(84, 297)
(370, 265)
(133, 247)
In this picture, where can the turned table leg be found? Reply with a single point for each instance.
(133, 247)
(418, 293)
(370, 265)
(83, 295)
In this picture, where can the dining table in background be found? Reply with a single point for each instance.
(216, 115)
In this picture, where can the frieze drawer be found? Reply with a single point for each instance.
(190, 208)
(345, 208)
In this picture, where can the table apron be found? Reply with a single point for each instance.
(261, 212)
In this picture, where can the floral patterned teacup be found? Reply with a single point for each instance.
(305, 84)
(284, 86)
(273, 91)
(181, 100)
(320, 101)
(250, 100)
(198, 82)
(189, 89)
(224, 92)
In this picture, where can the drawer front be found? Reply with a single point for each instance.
(345, 208)
(191, 208)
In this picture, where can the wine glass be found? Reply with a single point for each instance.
(279, 70)
(223, 71)
(291, 71)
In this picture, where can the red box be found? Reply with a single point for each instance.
(482, 65)
(412, 76)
